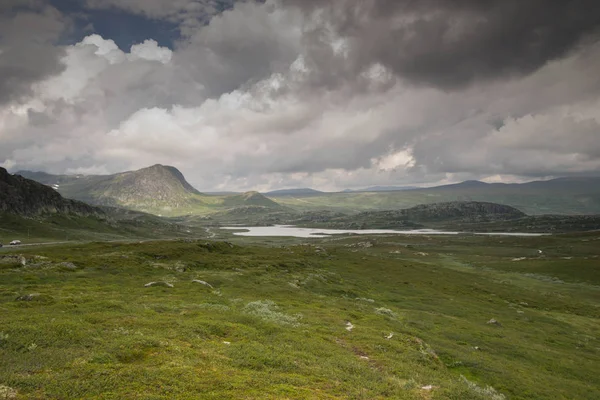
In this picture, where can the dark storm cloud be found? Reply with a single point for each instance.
(330, 94)
(28, 31)
(450, 44)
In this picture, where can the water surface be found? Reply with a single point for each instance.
(294, 231)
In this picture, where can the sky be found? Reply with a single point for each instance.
(328, 94)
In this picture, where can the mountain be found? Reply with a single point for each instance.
(382, 189)
(163, 190)
(153, 188)
(563, 196)
(294, 192)
(25, 197)
(249, 199)
(159, 190)
(463, 185)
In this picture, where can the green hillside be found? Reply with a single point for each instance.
(249, 199)
(160, 190)
(163, 190)
(560, 196)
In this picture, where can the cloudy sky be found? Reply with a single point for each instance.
(329, 94)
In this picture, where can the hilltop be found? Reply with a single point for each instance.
(31, 210)
(159, 189)
(294, 192)
(154, 187)
(249, 199)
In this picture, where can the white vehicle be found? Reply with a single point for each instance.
(15, 243)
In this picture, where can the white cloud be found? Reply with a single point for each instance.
(241, 104)
(402, 159)
(150, 50)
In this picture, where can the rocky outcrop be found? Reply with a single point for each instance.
(467, 210)
(25, 197)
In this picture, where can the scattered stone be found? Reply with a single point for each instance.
(227, 343)
(420, 253)
(385, 311)
(163, 284)
(68, 265)
(428, 387)
(477, 348)
(520, 312)
(203, 283)
(349, 326)
(364, 245)
(523, 304)
(519, 259)
(365, 299)
(7, 392)
(494, 322)
(388, 337)
(28, 297)
(364, 357)
(22, 260)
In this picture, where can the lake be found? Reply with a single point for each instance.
(294, 231)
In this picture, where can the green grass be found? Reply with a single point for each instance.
(274, 324)
(64, 228)
(531, 201)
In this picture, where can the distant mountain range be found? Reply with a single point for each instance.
(294, 192)
(567, 196)
(163, 190)
(381, 189)
(158, 189)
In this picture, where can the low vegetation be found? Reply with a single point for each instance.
(403, 317)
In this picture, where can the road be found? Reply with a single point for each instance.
(15, 247)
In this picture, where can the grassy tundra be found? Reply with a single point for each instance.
(346, 318)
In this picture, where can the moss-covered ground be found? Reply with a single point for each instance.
(347, 318)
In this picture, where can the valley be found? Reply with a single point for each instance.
(299, 200)
(471, 300)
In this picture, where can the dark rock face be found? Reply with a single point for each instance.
(29, 198)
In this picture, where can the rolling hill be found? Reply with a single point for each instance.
(294, 192)
(564, 196)
(163, 190)
(249, 199)
(421, 216)
(159, 189)
(154, 187)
